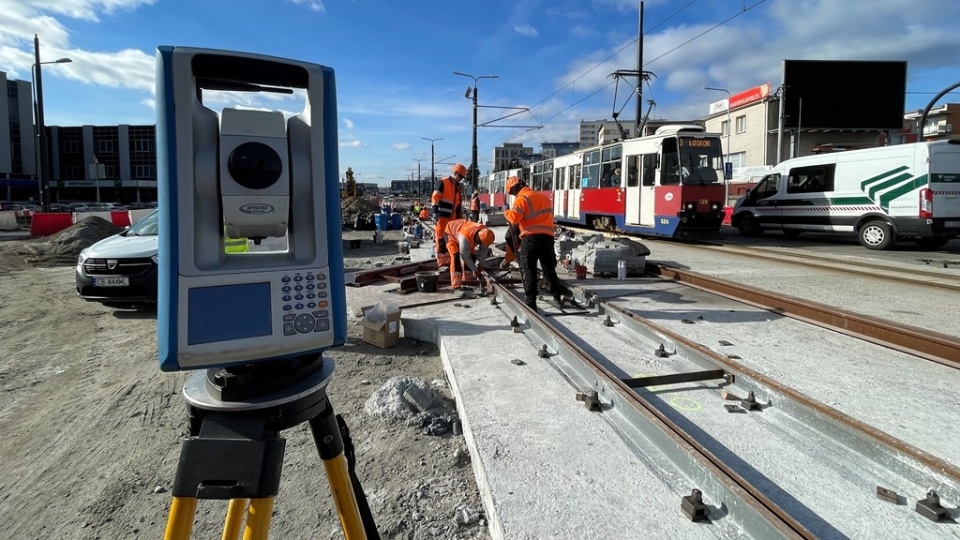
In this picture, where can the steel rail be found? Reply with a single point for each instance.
(921, 342)
(750, 507)
(904, 459)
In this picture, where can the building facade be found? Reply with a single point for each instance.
(596, 132)
(551, 150)
(503, 155)
(18, 145)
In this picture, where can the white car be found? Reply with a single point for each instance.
(121, 270)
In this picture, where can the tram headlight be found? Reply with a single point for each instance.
(689, 206)
(714, 207)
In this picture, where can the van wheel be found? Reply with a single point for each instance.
(749, 226)
(876, 235)
(932, 243)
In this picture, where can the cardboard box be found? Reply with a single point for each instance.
(382, 333)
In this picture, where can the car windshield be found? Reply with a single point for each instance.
(145, 227)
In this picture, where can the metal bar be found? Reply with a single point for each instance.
(377, 274)
(657, 380)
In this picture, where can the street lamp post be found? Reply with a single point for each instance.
(473, 165)
(418, 160)
(41, 137)
(433, 175)
(726, 181)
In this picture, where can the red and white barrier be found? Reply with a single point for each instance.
(49, 223)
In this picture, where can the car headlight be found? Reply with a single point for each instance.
(155, 258)
(83, 256)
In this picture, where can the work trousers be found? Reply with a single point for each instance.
(443, 259)
(536, 248)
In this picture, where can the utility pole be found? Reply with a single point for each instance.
(639, 70)
(473, 164)
(433, 175)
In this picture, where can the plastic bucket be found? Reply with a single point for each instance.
(397, 220)
(403, 247)
(427, 281)
(380, 220)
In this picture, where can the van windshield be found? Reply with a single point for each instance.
(147, 226)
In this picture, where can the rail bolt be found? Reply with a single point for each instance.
(543, 353)
(693, 507)
(607, 321)
(930, 507)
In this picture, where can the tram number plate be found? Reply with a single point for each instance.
(952, 224)
(112, 282)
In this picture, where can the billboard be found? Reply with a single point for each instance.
(844, 94)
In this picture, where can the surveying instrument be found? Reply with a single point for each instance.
(253, 324)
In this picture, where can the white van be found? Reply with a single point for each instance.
(906, 191)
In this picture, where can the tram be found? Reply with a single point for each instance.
(492, 187)
(668, 184)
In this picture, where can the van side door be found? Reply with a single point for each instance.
(762, 201)
(805, 205)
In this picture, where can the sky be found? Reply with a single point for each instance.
(394, 60)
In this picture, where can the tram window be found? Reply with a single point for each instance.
(591, 170)
(632, 178)
(561, 181)
(649, 169)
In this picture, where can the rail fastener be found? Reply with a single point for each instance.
(692, 506)
(590, 399)
(930, 507)
(888, 495)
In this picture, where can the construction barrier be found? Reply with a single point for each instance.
(120, 218)
(8, 220)
(727, 214)
(50, 223)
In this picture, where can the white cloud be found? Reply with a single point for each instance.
(347, 123)
(401, 146)
(313, 5)
(355, 143)
(525, 30)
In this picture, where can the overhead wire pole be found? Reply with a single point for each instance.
(639, 70)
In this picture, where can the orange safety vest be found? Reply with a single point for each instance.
(532, 211)
(475, 204)
(424, 214)
(447, 198)
(466, 228)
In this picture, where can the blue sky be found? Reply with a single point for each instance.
(394, 59)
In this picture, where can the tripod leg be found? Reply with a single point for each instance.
(234, 522)
(258, 519)
(180, 523)
(326, 435)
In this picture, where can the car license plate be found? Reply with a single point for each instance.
(951, 224)
(112, 282)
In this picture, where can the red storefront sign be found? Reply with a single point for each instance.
(749, 96)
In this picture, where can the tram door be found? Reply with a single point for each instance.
(559, 191)
(641, 179)
(574, 193)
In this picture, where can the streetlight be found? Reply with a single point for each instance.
(97, 171)
(433, 176)
(473, 165)
(726, 181)
(36, 79)
(418, 160)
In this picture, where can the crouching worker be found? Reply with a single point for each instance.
(465, 240)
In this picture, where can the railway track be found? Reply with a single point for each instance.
(923, 342)
(748, 500)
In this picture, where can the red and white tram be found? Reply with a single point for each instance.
(492, 187)
(666, 184)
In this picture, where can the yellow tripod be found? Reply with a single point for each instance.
(234, 451)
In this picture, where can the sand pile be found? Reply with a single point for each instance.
(59, 249)
(351, 206)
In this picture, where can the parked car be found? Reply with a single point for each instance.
(121, 270)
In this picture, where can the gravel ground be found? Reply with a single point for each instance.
(92, 427)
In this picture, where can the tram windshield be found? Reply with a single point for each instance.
(698, 161)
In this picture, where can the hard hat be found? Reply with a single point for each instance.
(512, 182)
(460, 169)
(486, 237)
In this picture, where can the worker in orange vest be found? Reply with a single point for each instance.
(475, 206)
(466, 239)
(532, 213)
(447, 201)
(424, 213)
